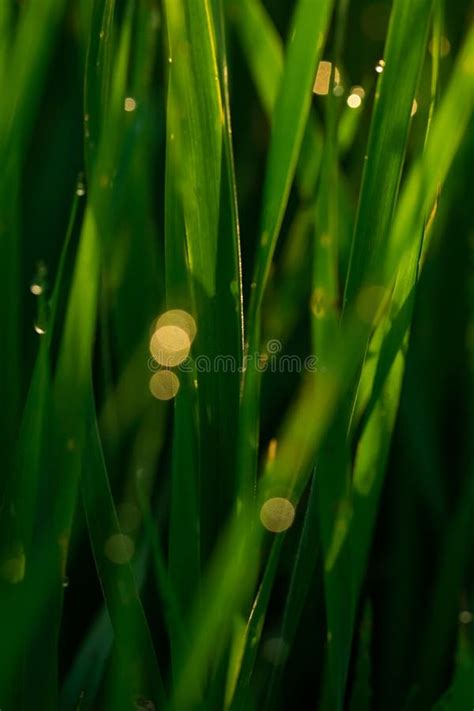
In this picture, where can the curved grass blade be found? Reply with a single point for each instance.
(30, 40)
(25, 490)
(139, 673)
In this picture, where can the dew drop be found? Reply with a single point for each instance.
(80, 188)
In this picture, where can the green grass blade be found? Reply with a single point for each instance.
(262, 46)
(301, 576)
(253, 630)
(85, 676)
(113, 552)
(289, 118)
(361, 697)
(386, 149)
(202, 271)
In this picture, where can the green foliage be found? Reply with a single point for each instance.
(172, 154)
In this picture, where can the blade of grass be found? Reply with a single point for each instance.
(30, 462)
(139, 675)
(288, 123)
(84, 678)
(387, 141)
(203, 277)
(252, 633)
(29, 42)
(301, 576)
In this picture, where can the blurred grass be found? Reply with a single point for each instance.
(171, 154)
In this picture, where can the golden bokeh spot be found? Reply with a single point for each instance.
(129, 104)
(277, 514)
(170, 346)
(380, 66)
(354, 101)
(119, 549)
(323, 77)
(164, 385)
(180, 319)
(370, 303)
(414, 107)
(358, 91)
